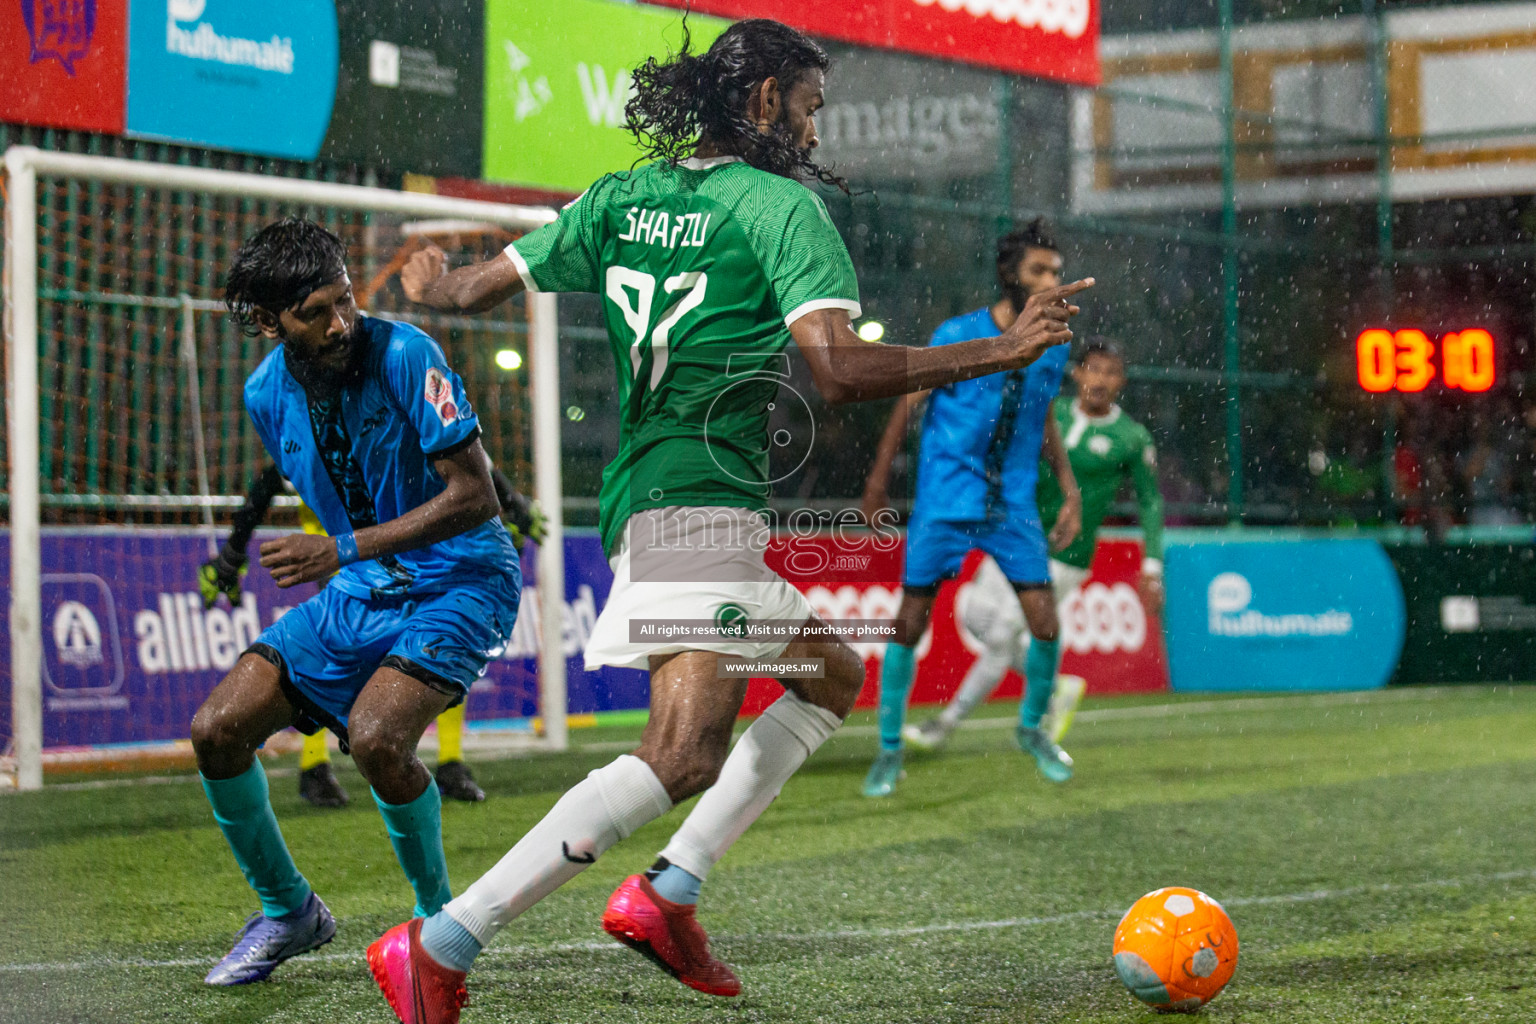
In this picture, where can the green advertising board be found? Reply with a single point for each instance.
(1471, 613)
(408, 89)
(557, 76)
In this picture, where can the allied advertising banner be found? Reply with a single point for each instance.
(1471, 613)
(1055, 39)
(409, 87)
(557, 77)
(1282, 615)
(63, 63)
(251, 77)
(129, 652)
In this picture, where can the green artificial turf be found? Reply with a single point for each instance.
(1375, 851)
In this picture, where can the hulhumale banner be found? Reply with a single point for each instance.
(1282, 615)
(232, 74)
(129, 652)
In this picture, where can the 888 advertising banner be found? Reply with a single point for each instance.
(1110, 638)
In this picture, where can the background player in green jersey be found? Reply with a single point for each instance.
(711, 260)
(1106, 448)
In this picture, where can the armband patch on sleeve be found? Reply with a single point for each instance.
(439, 396)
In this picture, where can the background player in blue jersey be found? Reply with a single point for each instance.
(370, 425)
(976, 476)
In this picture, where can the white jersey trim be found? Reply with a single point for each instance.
(854, 309)
(522, 267)
(694, 163)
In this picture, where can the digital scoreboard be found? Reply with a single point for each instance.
(1410, 360)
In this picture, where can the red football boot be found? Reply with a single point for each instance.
(419, 989)
(668, 934)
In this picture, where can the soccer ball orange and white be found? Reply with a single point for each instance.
(1175, 949)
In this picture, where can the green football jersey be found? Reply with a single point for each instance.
(1104, 451)
(702, 267)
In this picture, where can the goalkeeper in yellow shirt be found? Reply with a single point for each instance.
(318, 784)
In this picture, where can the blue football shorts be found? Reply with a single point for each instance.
(936, 549)
(330, 646)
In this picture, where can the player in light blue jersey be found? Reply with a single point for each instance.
(371, 426)
(976, 475)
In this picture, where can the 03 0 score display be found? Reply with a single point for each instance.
(1409, 361)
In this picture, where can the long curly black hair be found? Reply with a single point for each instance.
(690, 97)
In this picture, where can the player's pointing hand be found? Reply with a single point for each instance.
(426, 265)
(1043, 321)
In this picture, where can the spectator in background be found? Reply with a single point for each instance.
(1484, 468)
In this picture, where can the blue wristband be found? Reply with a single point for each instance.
(346, 548)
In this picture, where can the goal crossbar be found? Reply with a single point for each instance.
(24, 165)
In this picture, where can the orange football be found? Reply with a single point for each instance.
(1175, 949)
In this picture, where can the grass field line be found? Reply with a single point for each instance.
(1172, 709)
(1175, 709)
(910, 931)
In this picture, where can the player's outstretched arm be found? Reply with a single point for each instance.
(847, 368)
(1069, 521)
(876, 495)
(426, 280)
(467, 500)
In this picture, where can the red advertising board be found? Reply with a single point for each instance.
(1055, 39)
(65, 63)
(1110, 638)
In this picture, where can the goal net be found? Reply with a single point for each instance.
(128, 445)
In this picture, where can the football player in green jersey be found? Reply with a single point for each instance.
(711, 259)
(1106, 448)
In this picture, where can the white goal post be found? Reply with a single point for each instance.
(25, 166)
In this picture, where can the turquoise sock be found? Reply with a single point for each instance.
(1039, 681)
(243, 810)
(674, 884)
(895, 685)
(416, 832)
(448, 942)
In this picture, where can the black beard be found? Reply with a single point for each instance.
(323, 379)
(778, 153)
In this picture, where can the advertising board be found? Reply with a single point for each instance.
(250, 77)
(129, 651)
(1282, 615)
(1471, 613)
(557, 77)
(64, 63)
(1055, 39)
(410, 85)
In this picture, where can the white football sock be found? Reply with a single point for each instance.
(606, 806)
(761, 762)
(985, 673)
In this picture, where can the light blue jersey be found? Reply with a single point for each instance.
(981, 438)
(363, 456)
